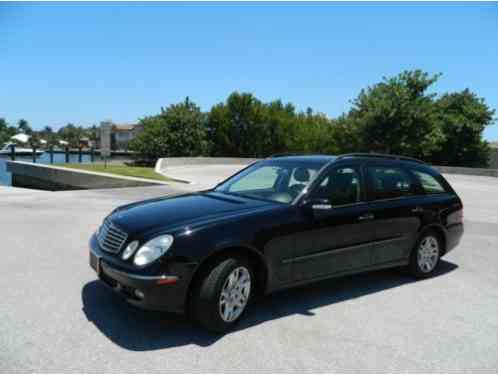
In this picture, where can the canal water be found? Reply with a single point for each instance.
(5, 177)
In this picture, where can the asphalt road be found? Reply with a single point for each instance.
(55, 317)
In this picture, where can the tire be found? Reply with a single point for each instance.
(426, 254)
(210, 308)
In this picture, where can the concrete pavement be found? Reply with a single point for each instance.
(56, 317)
(202, 176)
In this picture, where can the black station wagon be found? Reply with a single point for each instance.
(280, 222)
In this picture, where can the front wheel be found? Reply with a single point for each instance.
(426, 254)
(222, 295)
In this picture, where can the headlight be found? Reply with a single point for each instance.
(130, 249)
(153, 249)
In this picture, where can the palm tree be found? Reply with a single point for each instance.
(23, 127)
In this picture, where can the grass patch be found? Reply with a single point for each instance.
(121, 170)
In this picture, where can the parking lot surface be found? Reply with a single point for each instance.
(55, 316)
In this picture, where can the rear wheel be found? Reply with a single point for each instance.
(426, 254)
(223, 294)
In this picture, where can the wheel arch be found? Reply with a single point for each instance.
(255, 258)
(438, 229)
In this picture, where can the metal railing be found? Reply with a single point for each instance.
(51, 151)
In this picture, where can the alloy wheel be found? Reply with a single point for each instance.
(235, 294)
(428, 254)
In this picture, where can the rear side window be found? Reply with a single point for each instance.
(429, 183)
(389, 183)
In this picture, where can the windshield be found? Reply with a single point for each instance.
(275, 180)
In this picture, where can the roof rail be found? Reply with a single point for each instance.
(284, 154)
(380, 156)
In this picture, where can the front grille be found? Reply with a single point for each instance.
(110, 237)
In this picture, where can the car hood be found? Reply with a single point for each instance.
(170, 212)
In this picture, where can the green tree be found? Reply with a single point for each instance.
(219, 132)
(238, 126)
(93, 133)
(278, 127)
(4, 136)
(245, 126)
(347, 136)
(3, 125)
(72, 134)
(34, 140)
(23, 127)
(178, 130)
(6, 131)
(47, 130)
(398, 116)
(462, 117)
(49, 136)
(312, 133)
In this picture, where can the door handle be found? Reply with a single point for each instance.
(364, 217)
(417, 210)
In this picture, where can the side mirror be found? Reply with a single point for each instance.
(319, 204)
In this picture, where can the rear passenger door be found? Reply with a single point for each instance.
(393, 195)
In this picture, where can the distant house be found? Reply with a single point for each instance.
(121, 134)
(86, 142)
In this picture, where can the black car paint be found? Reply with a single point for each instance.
(293, 243)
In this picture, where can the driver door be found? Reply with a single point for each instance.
(339, 227)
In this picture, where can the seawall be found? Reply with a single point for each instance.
(48, 177)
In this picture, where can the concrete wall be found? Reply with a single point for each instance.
(43, 177)
(163, 163)
(207, 170)
(467, 171)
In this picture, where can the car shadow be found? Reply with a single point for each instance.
(138, 330)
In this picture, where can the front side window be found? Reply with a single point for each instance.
(262, 178)
(275, 180)
(429, 183)
(388, 183)
(339, 186)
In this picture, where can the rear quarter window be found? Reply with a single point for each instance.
(429, 183)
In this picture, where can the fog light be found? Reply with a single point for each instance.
(130, 249)
(139, 294)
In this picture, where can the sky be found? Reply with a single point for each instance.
(87, 62)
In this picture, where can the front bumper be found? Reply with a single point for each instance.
(160, 293)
